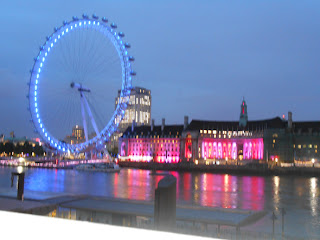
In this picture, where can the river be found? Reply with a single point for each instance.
(298, 195)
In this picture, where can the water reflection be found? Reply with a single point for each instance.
(276, 184)
(313, 196)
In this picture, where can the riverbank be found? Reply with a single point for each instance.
(249, 169)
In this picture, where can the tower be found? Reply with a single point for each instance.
(243, 114)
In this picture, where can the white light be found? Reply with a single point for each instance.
(46, 134)
(36, 81)
(71, 27)
(39, 70)
(40, 125)
(43, 59)
(75, 25)
(62, 33)
(58, 36)
(45, 54)
(48, 49)
(312, 160)
(20, 169)
(67, 30)
(42, 129)
(36, 104)
(35, 99)
(37, 75)
(55, 40)
(38, 117)
(36, 87)
(40, 64)
(79, 23)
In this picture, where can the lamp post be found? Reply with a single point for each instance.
(276, 161)
(283, 212)
(273, 217)
(312, 162)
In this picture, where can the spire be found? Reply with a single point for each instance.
(243, 114)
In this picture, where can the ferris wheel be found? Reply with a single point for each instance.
(74, 84)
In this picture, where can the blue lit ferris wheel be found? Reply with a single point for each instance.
(74, 81)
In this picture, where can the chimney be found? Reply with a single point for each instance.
(152, 125)
(290, 120)
(185, 125)
(162, 125)
(133, 124)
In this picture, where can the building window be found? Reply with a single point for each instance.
(310, 145)
(299, 146)
(304, 146)
(315, 146)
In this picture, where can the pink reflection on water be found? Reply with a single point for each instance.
(253, 193)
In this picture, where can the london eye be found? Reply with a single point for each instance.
(74, 82)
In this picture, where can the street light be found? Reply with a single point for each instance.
(276, 161)
(312, 162)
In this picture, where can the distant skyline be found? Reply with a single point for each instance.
(198, 58)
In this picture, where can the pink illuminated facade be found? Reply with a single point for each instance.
(151, 144)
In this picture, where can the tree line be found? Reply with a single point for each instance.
(26, 148)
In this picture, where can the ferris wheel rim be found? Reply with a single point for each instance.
(117, 40)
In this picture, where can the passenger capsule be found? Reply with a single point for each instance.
(65, 23)
(113, 25)
(121, 34)
(104, 20)
(55, 29)
(85, 16)
(75, 18)
(127, 45)
(94, 16)
(41, 48)
(133, 73)
(131, 59)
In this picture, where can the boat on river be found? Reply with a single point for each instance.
(101, 167)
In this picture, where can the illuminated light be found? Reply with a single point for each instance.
(75, 25)
(38, 117)
(37, 81)
(276, 159)
(37, 75)
(218, 163)
(40, 125)
(39, 70)
(46, 134)
(55, 40)
(89, 22)
(36, 110)
(71, 27)
(40, 64)
(94, 22)
(48, 49)
(43, 59)
(67, 30)
(42, 129)
(36, 87)
(51, 45)
(62, 33)
(84, 23)
(45, 54)
(98, 23)
(313, 160)
(35, 104)
(80, 23)
(196, 162)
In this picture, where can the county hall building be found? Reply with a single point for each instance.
(207, 142)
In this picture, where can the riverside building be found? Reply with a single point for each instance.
(274, 140)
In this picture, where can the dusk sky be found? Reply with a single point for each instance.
(198, 58)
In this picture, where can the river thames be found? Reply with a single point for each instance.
(298, 195)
